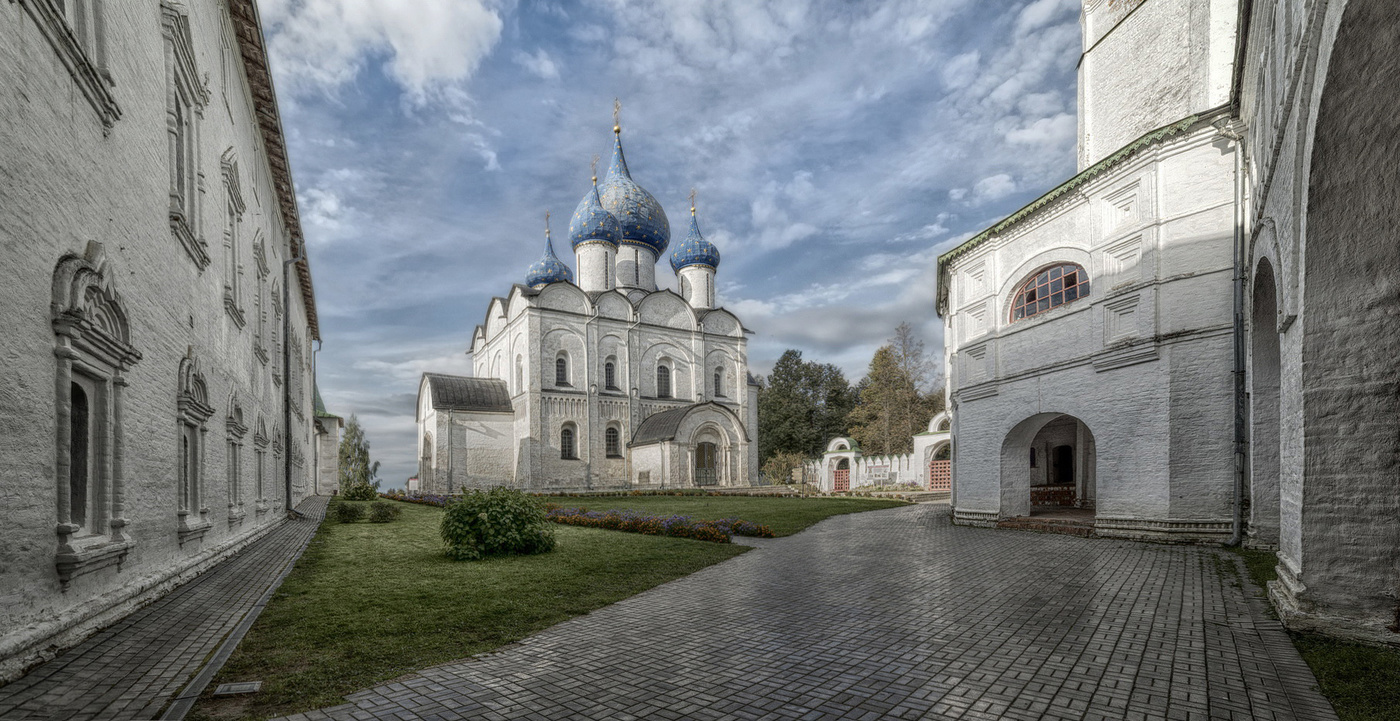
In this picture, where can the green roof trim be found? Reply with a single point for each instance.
(1149, 139)
(321, 411)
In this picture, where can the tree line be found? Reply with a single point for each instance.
(803, 404)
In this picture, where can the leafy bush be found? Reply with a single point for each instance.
(348, 512)
(360, 491)
(501, 521)
(383, 512)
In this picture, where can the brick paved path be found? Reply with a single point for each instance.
(132, 669)
(897, 614)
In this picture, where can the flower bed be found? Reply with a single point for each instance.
(719, 531)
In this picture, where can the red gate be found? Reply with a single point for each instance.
(843, 480)
(940, 475)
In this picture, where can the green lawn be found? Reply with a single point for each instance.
(369, 602)
(785, 515)
(1362, 682)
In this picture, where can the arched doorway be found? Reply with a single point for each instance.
(706, 473)
(842, 478)
(1262, 494)
(1048, 469)
(940, 476)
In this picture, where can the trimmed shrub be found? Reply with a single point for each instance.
(501, 521)
(383, 512)
(348, 512)
(363, 491)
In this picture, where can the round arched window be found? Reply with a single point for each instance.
(1051, 287)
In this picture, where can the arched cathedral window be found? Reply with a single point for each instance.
(612, 441)
(1050, 288)
(567, 449)
(719, 382)
(610, 375)
(561, 370)
(663, 382)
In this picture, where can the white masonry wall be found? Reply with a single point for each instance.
(1144, 361)
(68, 182)
(1126, 90)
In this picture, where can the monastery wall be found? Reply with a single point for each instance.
(70, 184)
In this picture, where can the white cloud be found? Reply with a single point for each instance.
(538, 64)
(1051, 132)
(321, 44)
(992, 188)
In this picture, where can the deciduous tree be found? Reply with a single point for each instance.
(801, 405)
(357, 473)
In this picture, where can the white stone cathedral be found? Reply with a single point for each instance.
(609, 383)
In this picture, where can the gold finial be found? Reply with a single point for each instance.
(617, 116)
(546, 223)
(593, 167)
(692, 201)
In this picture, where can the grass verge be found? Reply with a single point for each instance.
(784, 515)
(369, 602)
(1362, 682)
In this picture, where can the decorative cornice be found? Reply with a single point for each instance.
(248, 31)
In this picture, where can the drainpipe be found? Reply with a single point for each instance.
(287, 384)
(1241, 397)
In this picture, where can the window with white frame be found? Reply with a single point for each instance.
(186, 97)
(93, 351)
(233, 217)
(234, 462)
(193, 410)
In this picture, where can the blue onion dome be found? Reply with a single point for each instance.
(641, 217)
(592, 224)
(694, 250)
(548, 269)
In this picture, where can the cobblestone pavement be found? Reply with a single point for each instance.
(131, 669)
(897, 614)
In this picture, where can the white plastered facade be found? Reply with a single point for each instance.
(1290, 131)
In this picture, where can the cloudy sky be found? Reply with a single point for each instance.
(836, 148)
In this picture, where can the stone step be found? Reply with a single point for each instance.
(1061, 526)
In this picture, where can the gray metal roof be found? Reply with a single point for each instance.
(461, 393)
(660, 426)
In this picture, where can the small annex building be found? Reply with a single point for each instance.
(607, 383)
(844, 466)
(328, 428)
(1195, 337)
